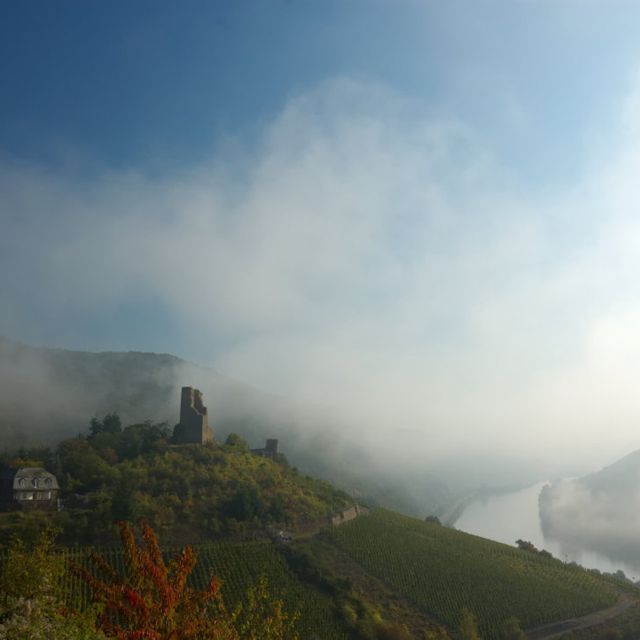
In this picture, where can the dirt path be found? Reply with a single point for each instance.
(555, 629)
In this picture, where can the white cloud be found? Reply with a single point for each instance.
(368, 257)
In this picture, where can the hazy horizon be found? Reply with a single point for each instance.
(49, 393)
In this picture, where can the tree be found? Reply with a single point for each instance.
(31, 605)
(137, 439)
(245, 505)
(525, 545)
(122, 501)
(234, 441)
(261, 618)
(153, 601)
(31, 572)
(82, 468)
(109, 424)
(468, 629)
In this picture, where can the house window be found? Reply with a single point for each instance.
(22, 482)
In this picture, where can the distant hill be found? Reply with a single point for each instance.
(46, 394)
(600, 511)
(621, 477)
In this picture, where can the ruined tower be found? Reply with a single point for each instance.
(194, 423)
(271, 448)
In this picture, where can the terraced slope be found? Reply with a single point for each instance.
(397, 569)
(441, 571)
(239, 565)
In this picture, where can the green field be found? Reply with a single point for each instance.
(238, 565)
(441, 571)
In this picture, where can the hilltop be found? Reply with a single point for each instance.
(189, 493)
(47, 394)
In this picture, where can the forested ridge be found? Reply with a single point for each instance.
(188, 493)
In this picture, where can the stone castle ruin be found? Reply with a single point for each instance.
(270, 450)
(193, 427)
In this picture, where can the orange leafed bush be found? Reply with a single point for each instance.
(153, 601)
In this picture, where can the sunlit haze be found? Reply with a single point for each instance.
(420, 216)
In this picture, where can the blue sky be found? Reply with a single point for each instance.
(421, 212)
(161, 83)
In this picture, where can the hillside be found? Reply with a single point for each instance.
(599, 511)
(387, 574)
(621, 477)
(347, 582)
(238, 565)
(441, 571)
(374, 574)
(48, 394)
(188, 493)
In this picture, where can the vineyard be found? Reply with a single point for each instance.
(238, 565)
(409, 571)
(441, 571)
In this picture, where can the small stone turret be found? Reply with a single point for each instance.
(270, 450)
(271, 447)
(194, 422)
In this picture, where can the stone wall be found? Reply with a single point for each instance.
(349, 514)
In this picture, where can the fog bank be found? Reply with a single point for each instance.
(365, 258)
(600, 511)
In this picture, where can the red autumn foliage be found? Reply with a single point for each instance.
(153, 600)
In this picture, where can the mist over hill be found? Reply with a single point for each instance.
(51, 393)
(599, 511)
(47, 394)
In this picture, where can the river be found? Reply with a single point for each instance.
(511, 516)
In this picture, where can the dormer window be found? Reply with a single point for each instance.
(22, 482)
(34, 482)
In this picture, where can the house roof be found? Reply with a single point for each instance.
(34, 478)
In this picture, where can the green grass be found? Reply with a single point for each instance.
(441, 571)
